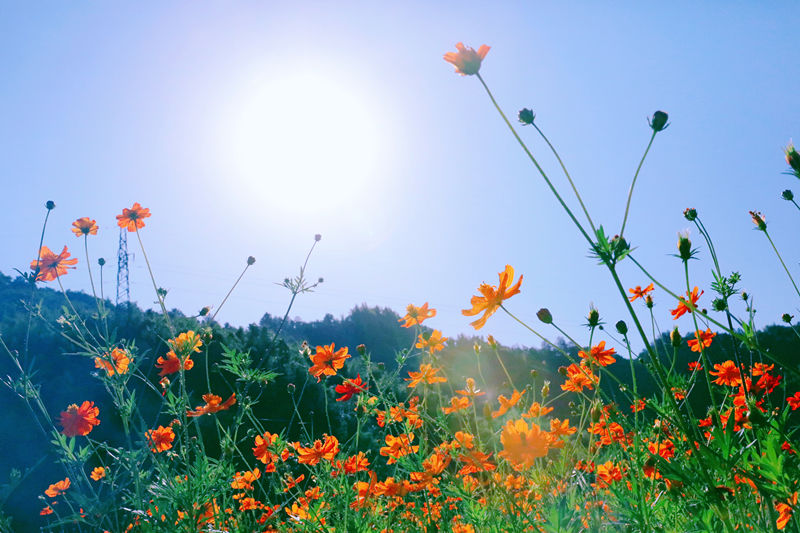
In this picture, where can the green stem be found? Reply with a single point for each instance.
(633, 183)
(536, 163)
(230, 291)
(782, 263)
(569, 178)
(155, 286)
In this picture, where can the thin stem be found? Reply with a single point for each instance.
(569, 178)
(536, 163)
(633, 183)
(33, 287)
(782, 263)
(155, 286)
(230, 291)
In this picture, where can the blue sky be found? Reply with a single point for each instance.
(248, 127)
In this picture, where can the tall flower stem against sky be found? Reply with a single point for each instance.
(569, 178)
(155, 286)
(633, 183)
(230, 291)
(782, 263)
(533, 160)
(33, 282)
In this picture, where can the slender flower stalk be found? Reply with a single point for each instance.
(250, 261)
(782, 263)
(633, 183)
(155, 286)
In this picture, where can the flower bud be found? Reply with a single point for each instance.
(101, 261)
(690, 213)
(476, 347)
(361, 349)
(792, 157)
(719, 304)
(381, 365)
(204, 311)
(317, 237)
(487, 411)
(648, 301)
(534, 373)
(594, 317)
(526, 116)
(745, 296)
(546, 389)
(786, 317)
(675, 338)
(684, 245)
(50, 205)
(290, 388)
(544, 315)
(758, 220)
(622, 327)
(490, 340)
(251, 260)
(659, 121)
(562, 370)
(321, 280)
(787, 195)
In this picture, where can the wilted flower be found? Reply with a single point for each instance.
(467, 61)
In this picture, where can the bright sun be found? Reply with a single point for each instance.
(304, 140)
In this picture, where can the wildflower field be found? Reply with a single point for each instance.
(698, 432)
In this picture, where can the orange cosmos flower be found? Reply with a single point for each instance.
(523, 444)
(578, 377)
(727, 374)
(186, 343)
(318, 451)
(349, 387)
(702, 340)
(98, 473)
(213, 404)
(327, 361)
(46, 511)
(467, 61)
(695, 365)
(132, 218)
(561, 427)
(433, 343)
(84, 226)
(470, 389)
(160, 439)
(57, 488)
(79, 420)
(492, 297)
(456, 404)
(416, 315)
(262, 450)
(683, 308)
(115, 362)
(51, 266)
(536, 410)
(426, 374)
(170, 363)
(639, 405)
(607, 473)
(794, 401)
(244, 481)
(785, 510)
(507, 403)
(761, 368)
(602, 357)
(397, 447)
(639, 292)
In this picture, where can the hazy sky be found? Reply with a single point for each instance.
(247, 127)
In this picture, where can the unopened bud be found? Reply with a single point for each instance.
(101, 261)
(786, 317)
(787, 195)
(546, 389)
(544, 315)
(321, 280)
(361, 349)
(659, 121)
(562, 370)
(622, 327)
(758, 220)
(476, 347)
(690, 213)
(594, 317)
(490, 340)
(204, 311)
(648, 301)
(534, 373)
(50, 205)
(675, 338)
(719, 304)
(251, 260)
(317, 237)
(526, 116)
(684, 246)
(745, 296)
(290, 388)
(792, 157)
(381, 365)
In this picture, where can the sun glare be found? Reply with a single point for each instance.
(304, 140)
